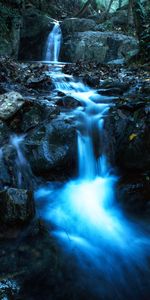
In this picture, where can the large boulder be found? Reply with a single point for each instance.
(127, 139)
(100, 47)
(71, 25)
(10, 103)
(51, 149)
(34, 32)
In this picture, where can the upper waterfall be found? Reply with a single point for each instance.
(53, 43)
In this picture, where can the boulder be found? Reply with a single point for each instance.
(10, 103)
(50, 149)
(16, 206)
(100, 47)
(35, 29)
(71, 25)
(127, 139)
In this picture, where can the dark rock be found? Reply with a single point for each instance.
(35, 29)
(41, 82)
(71, 25)
(68, 102)
(127, 139)
(133, 194)
(100, 47)
(16, 206)
(51, 149)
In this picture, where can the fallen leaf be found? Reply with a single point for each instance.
(132, 136)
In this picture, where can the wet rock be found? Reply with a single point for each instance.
(8, 289)
(133, 194)
(100, 47)
(114, 85)
(10, 103)
(127, 139)
(42, 81)
(16, 206)
(68, 102)
(35, 29)
(51, 149)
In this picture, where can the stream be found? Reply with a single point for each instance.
(105, 251)
(111, 250)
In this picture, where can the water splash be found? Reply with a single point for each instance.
(53, 43)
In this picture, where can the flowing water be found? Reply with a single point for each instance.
(53, 43)
(112, 251)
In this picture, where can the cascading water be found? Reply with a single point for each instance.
(53, 44)
(23, 170)
(85, 213)
(88, 222)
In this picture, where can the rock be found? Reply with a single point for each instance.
(10, 103)
(39, 82)
(50, 149)
(71, 25)
(127, 139)
(8, 289)
(120, 61)
(100, 47)
(120, 18)
(16, 206)
(68, 102)
(35, 29)
(133, 194)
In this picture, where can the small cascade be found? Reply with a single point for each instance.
(25, 177)
(53, 43)
(84, 211)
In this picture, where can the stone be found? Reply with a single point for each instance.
(50, 149)
(8, 288)
(16, 206)
(35, 28)
(10, 103)
(68, 102)
(99, 47)
(71, 25)
(127, 139)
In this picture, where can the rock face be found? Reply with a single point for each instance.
(100, 47)
(16, 206)
(128, 140)
(10, 33)
(10, 103)
(35, 29)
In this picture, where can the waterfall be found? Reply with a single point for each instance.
(53, 43)
(87, 220)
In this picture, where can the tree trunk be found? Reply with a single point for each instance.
(84, 8)
(109, 6)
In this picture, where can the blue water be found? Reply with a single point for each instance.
(112, 250)
(53, 43)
